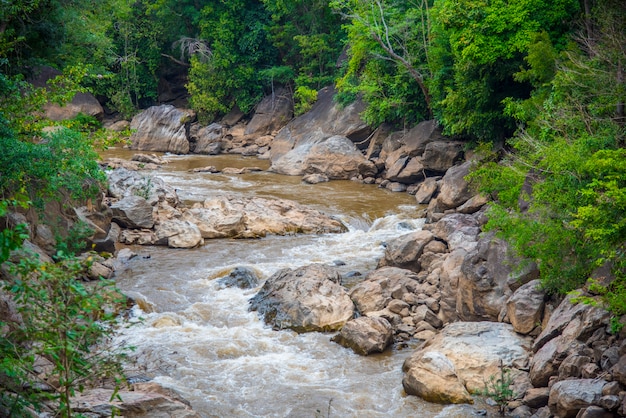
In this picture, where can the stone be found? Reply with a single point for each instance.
(315, 178)
(567, 397)
(619, 371)
(609, 402)
(149, 159)
(179, 234)
(439, 156)
(336, 157)
(404, 169)
(365, 335)
(427, 189)
(536, 397)
(161, 128)
(572, 366)
(206, 140)
(423, 313)
(454, 189)
(123, 183)
(545, 363)
(594, 412)
(272, 113)
(405, 251)
(306, 299)
(241, 277)
(458, 231)
(473, 205)
(465, 353)
(376, 291)
(326, 119)
(524, 307)
(132, 212)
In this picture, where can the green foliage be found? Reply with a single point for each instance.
(561, 193)
(65, 321)
(305, 98)
(76, 239)
(499, 389)
(388, 59)
(478, 62)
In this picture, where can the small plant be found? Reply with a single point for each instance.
(305, 98)
(499, 388)
(144, 189)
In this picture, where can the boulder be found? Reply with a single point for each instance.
(406, 250)
(380, 287)
(466, 354)
(525, 307)
(150, 402)
(336, 157)
(81, 103)
(454, 189)
(241, 277)
(412, 142)
(271, 114)
(161, 128)
(206, 140)
(439, 156)
(403, 169)
(457, 231)
(179, 234)
(365, 335)
(426, 190)
(306, 299)
(619, 370)
(484, 287)
(133, 212)
(148, 159)
(326, 119)
(123, 183)
(568, 397)
(547, 360)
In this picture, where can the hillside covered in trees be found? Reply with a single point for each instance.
(536, 88)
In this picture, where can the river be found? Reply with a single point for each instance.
(192, 335)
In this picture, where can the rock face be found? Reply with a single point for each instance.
(325, 120)
(335, 157)
(365, 335)
(274, 112)
(461, 358)
(307, 299)
(161, 128)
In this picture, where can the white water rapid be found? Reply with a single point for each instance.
(201, 340)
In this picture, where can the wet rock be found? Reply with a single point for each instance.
(161, 128)
(123, 183)
(179, 234)
(365, 335)
(241, 277)
(466, 353)
(381, 286)
(525, 307)
(138, 236)
(133, 212)
(207, 169)
(406, 250)
(315, 178)
(306, 299)
(149, 159)
(568, 397)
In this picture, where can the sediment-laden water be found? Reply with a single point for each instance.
(198, 338)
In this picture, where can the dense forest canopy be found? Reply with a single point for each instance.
(536, 87)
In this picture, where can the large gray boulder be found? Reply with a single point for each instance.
(461, 358)
(271, 114)
(405, 251)
(324, 120)
(123, 183)
(524, 308)
(365, 335)
(206, 139)
(454, 190)
(306, 299)
(568, 397)
(336, 157)
(161, 128)
(179, 234)
(133, 212)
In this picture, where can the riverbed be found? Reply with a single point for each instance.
(195, 336)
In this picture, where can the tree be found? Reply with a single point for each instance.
(479, 47)
(389, 53)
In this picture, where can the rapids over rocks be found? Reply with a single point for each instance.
(199, 338)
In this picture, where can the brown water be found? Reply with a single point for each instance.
(201, 340)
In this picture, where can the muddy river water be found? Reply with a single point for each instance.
(200, 339)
